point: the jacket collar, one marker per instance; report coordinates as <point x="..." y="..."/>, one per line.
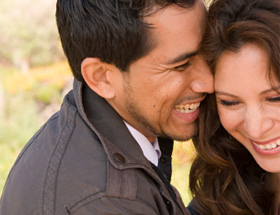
<point x="122" y="149"/>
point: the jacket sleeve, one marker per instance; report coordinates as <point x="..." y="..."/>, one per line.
<point x="114" y="206"/>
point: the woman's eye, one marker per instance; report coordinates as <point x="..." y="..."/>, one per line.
<point x="228" y="103"/>
<point x="274" y="99"/>
<point x="182" y="67"/>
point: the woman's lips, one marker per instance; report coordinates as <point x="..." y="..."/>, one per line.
<point x="271" y="147"/>
<point x="267" y="145"/>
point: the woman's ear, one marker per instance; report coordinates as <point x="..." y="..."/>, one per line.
<point x="96" y="74"/>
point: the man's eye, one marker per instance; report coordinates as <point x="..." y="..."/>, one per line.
<point x="182" y="67"/>
<point x="229" y="103"/>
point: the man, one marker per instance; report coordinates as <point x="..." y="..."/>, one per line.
<point x="138" y="84"/>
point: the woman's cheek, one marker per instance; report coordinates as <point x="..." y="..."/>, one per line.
<point x="230" y="119"/>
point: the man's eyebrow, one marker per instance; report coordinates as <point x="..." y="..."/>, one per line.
<point x="182" y="57"/>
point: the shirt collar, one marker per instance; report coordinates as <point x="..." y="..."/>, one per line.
<point x="150" y="150"/>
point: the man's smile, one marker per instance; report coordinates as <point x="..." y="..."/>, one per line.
<point x="187" y="108"/>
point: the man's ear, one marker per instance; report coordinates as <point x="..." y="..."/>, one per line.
<point x="96" y="74"/>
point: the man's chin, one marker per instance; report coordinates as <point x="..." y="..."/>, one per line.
<point x="184" y="134"/>
<point x="181" y="137"/>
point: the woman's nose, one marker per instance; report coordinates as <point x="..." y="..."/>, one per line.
<point x="257" y="124"/>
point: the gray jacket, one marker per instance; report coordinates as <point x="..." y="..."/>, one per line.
<point x="84" y="161"/>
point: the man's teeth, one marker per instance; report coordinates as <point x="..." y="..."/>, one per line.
<point x="268" y="146"/>
<point x="187" y="108"/>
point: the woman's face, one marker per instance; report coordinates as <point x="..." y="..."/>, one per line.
<point x="248" y="107"/>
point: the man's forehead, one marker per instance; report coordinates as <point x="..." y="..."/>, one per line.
<point x="176" y="33"/>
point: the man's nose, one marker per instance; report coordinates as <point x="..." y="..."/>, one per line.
<point x="203" y="83"/>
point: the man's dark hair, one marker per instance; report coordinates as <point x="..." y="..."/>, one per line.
<point x="111" y="30"/>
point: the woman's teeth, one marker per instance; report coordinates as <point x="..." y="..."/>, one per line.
<point x="268" y="146"/>
<point x="187" y="108"/>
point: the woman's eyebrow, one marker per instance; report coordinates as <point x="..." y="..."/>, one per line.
<point x="270" y="90"/>
<point x="224" y="93"/>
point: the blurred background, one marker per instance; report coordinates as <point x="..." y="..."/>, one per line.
<point x="35" y="76"/>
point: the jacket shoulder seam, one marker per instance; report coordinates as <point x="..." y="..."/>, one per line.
<point x="55" y="161"/>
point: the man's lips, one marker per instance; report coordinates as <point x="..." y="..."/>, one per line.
<point x="187" y="108"/>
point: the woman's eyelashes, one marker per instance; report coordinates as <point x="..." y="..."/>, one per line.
<point x="274" y="99"/>
<point x="227" y="103"/>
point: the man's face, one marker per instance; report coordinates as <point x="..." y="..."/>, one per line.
<point x="161" y="93"/>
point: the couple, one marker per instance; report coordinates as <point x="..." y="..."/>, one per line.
<point x="140" y="77"/>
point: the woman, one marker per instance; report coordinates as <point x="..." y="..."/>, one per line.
<point x="237" y="169"/>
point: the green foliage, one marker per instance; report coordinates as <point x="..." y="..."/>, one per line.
<point x="47" y="94"/>
<point x="43" y="84"/>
